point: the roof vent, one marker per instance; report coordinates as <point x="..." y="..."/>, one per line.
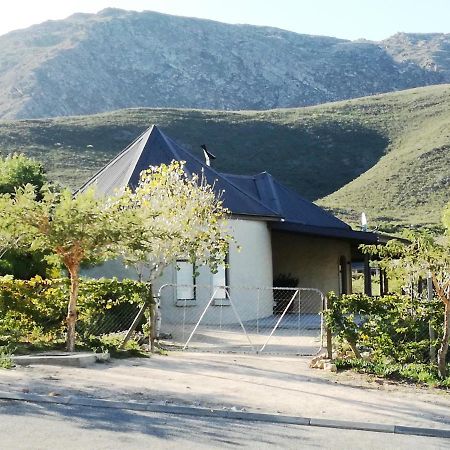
<point x="208" y="155"/>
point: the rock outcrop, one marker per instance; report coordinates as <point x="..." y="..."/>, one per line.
<point x="115" y="59"/>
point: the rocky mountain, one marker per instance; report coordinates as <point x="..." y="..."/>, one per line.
<point x="115" y="59"/>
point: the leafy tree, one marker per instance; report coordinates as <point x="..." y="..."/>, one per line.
<point x="175" y="216"/>
<point x="169" y="215"/>
<point x="17" y="170"/>
<point x="422" y="256"/>
<point x="77" y="229"/>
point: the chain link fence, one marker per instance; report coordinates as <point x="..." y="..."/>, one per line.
<point x="114" y="320"/>
<point x="241" y="319"/>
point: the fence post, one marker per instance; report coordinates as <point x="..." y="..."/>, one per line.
<point x="328" y="306"/>
<point x="152" y="336"/>
<point x="138" y="318"/>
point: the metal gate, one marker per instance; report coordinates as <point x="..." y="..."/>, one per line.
<point x="241" y="319"/>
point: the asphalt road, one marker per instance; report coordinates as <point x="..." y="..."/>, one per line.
<point x="52" y="426"/>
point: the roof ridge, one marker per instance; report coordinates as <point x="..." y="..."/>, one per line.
<point x="270" y="179"/>
<point x="221" y="175"/>
<point x="115" y="159"/>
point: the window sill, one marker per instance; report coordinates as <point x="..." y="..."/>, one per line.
<point x="186" y="302"/>
<point x="221" y="302"/>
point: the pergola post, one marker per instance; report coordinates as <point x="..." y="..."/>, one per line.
<point x="367" y="276"/>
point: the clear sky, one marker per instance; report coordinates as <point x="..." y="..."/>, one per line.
<point x="350" y="19"/>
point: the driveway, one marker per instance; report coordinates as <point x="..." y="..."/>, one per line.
<point x="271" y="384"/>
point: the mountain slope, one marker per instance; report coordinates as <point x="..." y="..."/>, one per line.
<point x="387" y="155"/>
<point x="90" y="63"/>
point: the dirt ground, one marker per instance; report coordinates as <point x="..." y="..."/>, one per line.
<point x="272" y="384"/>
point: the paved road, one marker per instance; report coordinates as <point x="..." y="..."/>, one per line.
<point x="267" y="384"/>
<point x="51" y="426"/>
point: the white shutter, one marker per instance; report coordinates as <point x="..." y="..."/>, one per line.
<point x="220" y="279"/>
<point x="185" y="281"/>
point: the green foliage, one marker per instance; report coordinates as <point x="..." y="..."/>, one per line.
<point x="415" y="372"/>
<point x="34" y="311"/>
<point x="17" y="170"/>
<point x="174" y="215"/>
<point x="77" y="229"/>
<point x="169" y="215"/>
<point x="6" y="361"/>
<point x="112" y="344"/>
<point x="393" y="328"/>
<point x="25" y="265"/>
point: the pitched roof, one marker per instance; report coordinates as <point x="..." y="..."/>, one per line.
<point x="153" y="148"/>
<point x="299" y="215"/>
<point x="259" y="195"/>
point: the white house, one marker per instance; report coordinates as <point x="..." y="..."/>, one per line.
<point x="280" y="233"/>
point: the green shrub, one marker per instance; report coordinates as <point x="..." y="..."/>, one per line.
<point x="391" y="332"/>
<point x="6" y="361"/>
<point x="393" y="326"/>
<point x="417" y="373"/>
<point x="112" y="344"/>
<point x="34" y="310"/>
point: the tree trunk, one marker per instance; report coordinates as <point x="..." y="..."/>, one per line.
<point x="442" y="352"/>
<point x="72" y="309"/>
<point x="442" y="292"/>
<point x="152" y="321"/>
<point x="354" y="348"/>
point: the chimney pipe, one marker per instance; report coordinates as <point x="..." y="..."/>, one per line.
<point x="207" y="154"/>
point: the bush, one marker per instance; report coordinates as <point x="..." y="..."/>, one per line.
<point x="34" y="310"/>
<point x="6" y="361"/>
<point x="390" y="332"/>
<point x="418" y="373"/>
<point x="395" y="327"/>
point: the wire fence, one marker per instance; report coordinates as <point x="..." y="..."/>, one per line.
<point x="241" y="319"/>
<point x="114" y="320"/>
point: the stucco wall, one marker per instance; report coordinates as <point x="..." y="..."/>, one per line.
<point x="250" y="268"/>
<point x="313" y="260"/>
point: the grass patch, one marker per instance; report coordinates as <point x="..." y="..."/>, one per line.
<point x="425" y="374"/>
<point x="6" y="361"/>
<point x="112" y="344"/>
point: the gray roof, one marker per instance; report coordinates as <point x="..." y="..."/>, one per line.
<point x="255" y="195"/>
<point x="299" y="215"/>
<point x="153" y="148"/>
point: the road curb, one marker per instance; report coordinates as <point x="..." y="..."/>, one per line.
<point x="227" y="414"/>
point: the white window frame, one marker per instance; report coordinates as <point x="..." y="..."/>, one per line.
<point x="221" y="278"/>
<point x="185" y="282"/>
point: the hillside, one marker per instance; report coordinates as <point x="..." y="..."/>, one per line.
<point x="387" y="155"/>
<point x="90" y="63"/>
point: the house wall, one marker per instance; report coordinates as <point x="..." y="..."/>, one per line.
<point x="250" y="268"/>
<point x="250" y="261"/>
<point x="313" y="260"/>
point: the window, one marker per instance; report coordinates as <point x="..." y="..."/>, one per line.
<point x="185" y="281"/>
<point x="220" y="280"/>
<point x="343" y="275"/>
